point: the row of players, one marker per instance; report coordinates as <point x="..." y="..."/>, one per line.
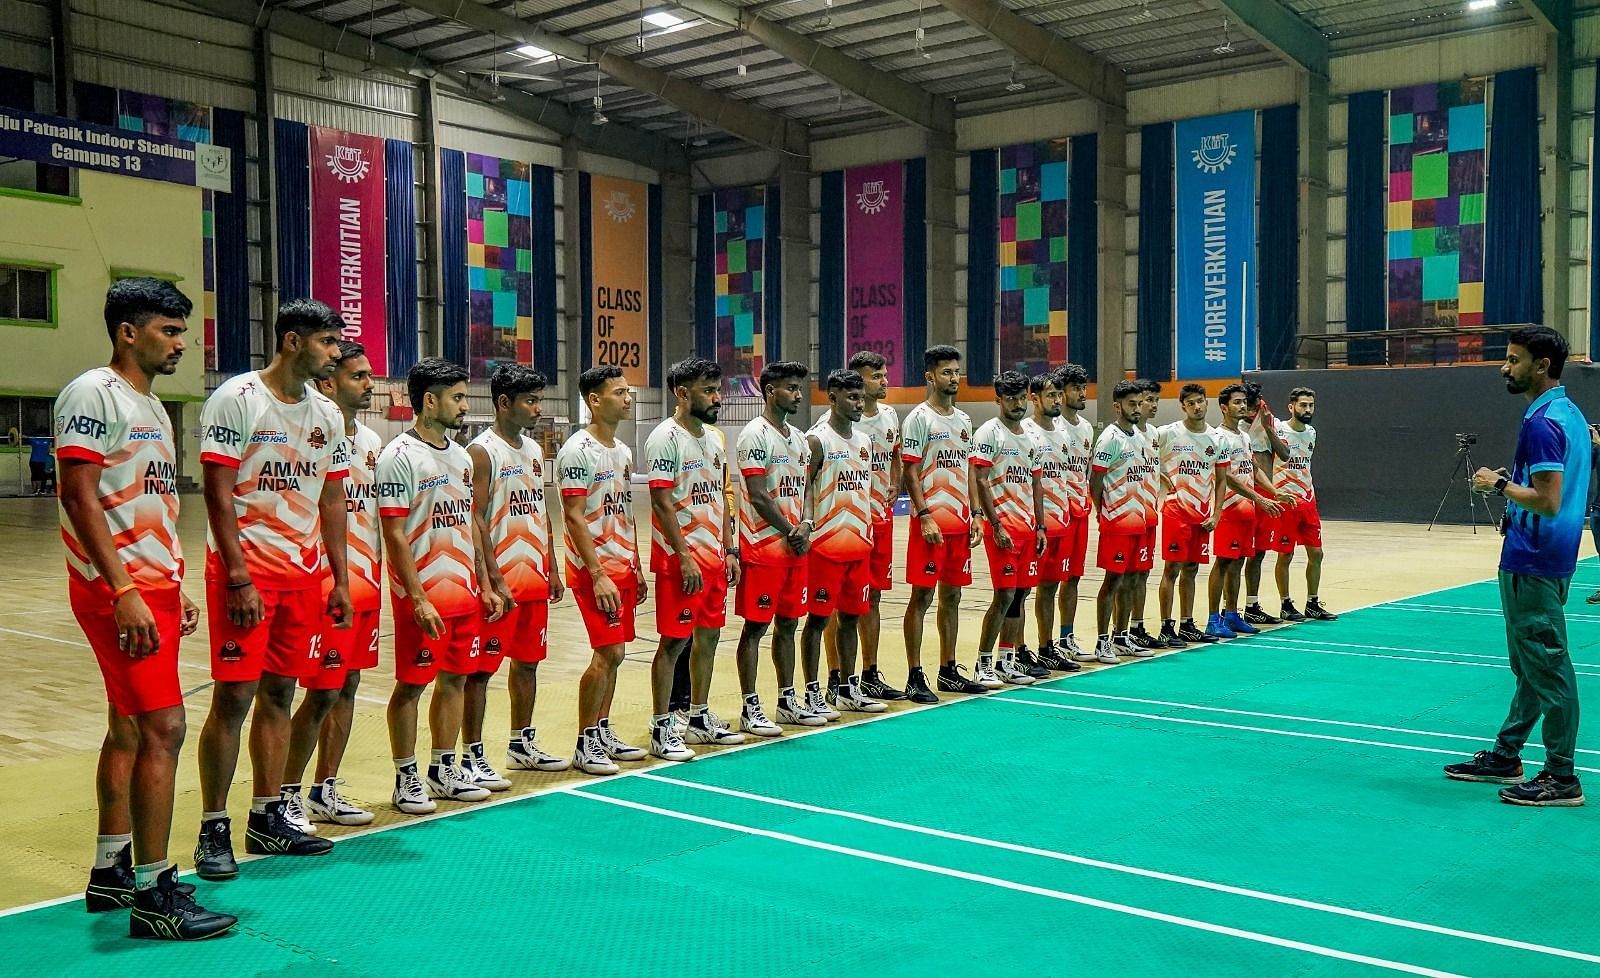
<point x="304" y="504"/>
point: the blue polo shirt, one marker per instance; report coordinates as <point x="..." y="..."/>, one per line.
<point x="1554" y="438"/>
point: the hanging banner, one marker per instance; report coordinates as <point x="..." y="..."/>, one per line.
<point x="1033" y="256"/>
<point x="499" y="264"/>
<point x="69" y="142"/>
<point x="1215" y="160"/>
<point x="619" y="255"/>
<point x="874" y="270"/>
<point x="741" y="227"/>
<point x="347" y="242"/>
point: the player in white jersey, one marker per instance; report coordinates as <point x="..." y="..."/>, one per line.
<point x="274" y="455"/>
<point x="1118" y="493"/>
<point x="691" y="555"/>
<point x="119" y="523"/>
<point x="1192" y="474"/>
<point x="345" y="652"/>
<point x="1074" y="383"/>
<point x="881" y="424"/>
<point x="1006" y="472"/>
<point x="774" y="533"/>
<point x="517" y="559"/>
<point x="1262" y="432"/>
<point x="1246" y="497"/>
<point x="1299" y="525"/>
<point x="1151" y="484"/>
<point x="1055" y="441"/>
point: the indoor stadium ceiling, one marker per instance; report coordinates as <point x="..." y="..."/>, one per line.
<point x="922" y="43"/>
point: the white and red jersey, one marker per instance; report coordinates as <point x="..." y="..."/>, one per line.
<point x="1080" y="457"/>
<point x="1055" y="449"/>
<point x="1233" y="448"/>
<point x="843" y="497"/>
<point x="782" y="457"/>
<point x="883" y="431"/>
<point x="364" y="537"/>
<point x="101" y="419"/>
<point x="1009" y="460"/>
<point x="1189" y="461"/>
<point x="516" y="518"/>
<point x="431" y="489"/>
<point x="1293" y="474"/>
<point x="938" y="448"/>
<point x="603" y="475"/>
<point x="1150" y="473"/>
<point x="1120" y="456"/>
<point x="282" y="454"/>
<point x="695" y="468"/>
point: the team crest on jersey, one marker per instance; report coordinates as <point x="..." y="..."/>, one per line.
<point x="466" y="476"/>
<point x="686" y="616"/>
<point x="765" y="601"/>
<point x="231" y="651"/>
<point x="317" y="440"/>
<point x="865" y="456"/>
<point x="424" y="657"/>
<point x="931" y="568"/>
<point x="332" y="660"/>
<point x="1211" y="450"/>
<point x="372" y="460"/>
<point x="966" y="435"/>
<point x="627" y="473"/>
<point x="538" y="470"/>
<point x="613" y="618"/>
<point x="492" y="646"/>
<point x="822" y="594"/>
<point x="1008" y="570"/>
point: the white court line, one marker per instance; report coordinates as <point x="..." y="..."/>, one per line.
<point x="1277" y="636"/>
<point x="1262" y="643"/>
<point x="1453" y="609"/>
<point x="1276" y="716"/>
<point x="1132" y="870"/>
<point x="1014" y="700"/>
<point x="1006" y="884"/>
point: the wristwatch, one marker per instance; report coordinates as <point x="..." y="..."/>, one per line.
<point x="924" y="513"/>
<point x="1500" y="485"/>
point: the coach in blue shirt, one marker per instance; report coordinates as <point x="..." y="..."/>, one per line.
<point x="1546" y="495"/>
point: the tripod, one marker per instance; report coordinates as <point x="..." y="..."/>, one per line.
<point x="1463" y="470"/>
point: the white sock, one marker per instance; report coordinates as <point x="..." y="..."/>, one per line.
<point x="145" y="876"/>
<point x="259" y="805"/>
<point x="1252" y="599"/>
<point x="1311" y="599"/>
<point x="402" y="763"/>
<point x="439" y="757"/>
<point x="212" y="817"/>
<point x="697" y="709"/>
<point x="660" y="719"/>
<point x="108" y="847"/>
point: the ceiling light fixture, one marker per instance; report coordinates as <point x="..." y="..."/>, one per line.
<point x="662" y="19"/>
<point x="1226" y="47"/>
<point x="1482" y="4"/>
<point x="921" y="34"/>
<point x="326" y="75"/>
<point x="1012" y="85"/>
<point x="599" y="118"/>
<point x="534" y="52"/>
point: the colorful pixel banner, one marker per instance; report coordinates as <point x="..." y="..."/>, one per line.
<point x="874" y="269"/>
<point x="1214" y="212"/>
<point x="499" y="264"/>
<point x="1033" y="256"/>
<point x="740" y="215"/>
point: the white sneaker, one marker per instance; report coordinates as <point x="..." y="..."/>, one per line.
<point x="294" y="812"/>
<point x="1008" y="672"/>
<point x="708" y="728"/>
<point x="1128" y="645"/>
<point x="679" y="719"/>
<point x="616" y="748"/>
<point x="481" y="773"/>
<point x="793" y="713"/>
<point x="445" y="780"/>
<point x="409" y="796"/>
<point x="667" y="745"/>
<point x="325" y="804"/>
<point x="524" y="755"/>
<point x="753" y="720"/>
<point x="816" y="703"/>
<point x="851" y="699"/>
<point x="1077" y="652"/>
<point x="984" y="675"/>
<point x="590" y="757"/>
<point x="1105" y="650"/>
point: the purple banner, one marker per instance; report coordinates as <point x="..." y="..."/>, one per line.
<point x="68" y="142"/>
<point x="874" y="263"/>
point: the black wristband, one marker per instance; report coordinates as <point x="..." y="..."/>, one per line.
<point x="924" y="512"/>
<point x="241" y="585"/>
<point x="1500" y="485"/>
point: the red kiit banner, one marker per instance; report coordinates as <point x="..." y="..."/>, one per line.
<point x="874" y="269"/>
<point x="347" y="243"/>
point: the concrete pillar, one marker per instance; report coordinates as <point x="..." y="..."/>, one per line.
<point x="799" y="328"/>
<point x="941" y="223"/>
<point x="1313" y="311"/>
<point x="677" y="271"/>
<point x="1112" y="250"/>
<point x="574" y="330"/>
<point x="430" y="318"/>
<point x="1555" y="188"/>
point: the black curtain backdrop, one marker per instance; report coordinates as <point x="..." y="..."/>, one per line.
<point x="1278" y="239"/>
<point x="1513" y="283"/>
<point x="1366" y="254"/>
<point x="1154" y="346"/>
<point x="1083" y="253"/>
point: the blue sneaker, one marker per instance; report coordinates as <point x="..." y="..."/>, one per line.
<point x="1237" y="624"/>
<point x="1216" y="628"/>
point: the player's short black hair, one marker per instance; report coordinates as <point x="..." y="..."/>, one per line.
<point x="691" y="369"/>
<point x="782" y="370"/>
<point x="1150" y="386"/>
<point x="1252" y="393"/>
<point x="432" y="374"/>
<point x="512" y="380"/>
<point x="936" y="355"/>
<point x="1542" y="343"/>
<point x="1010" y="383"/>
<point x="1126" y="388"/>
<point x="306" y="316"/>
<point x="1071" y="373"/>
<point x="1050" y="378"/>
<point x="1226" y="394"/>
<point x="868" y="360"/>
<point x="594" y="379"/>
<point x="138" y="300"/>
<point x="1190" y="390"/>
<point x="350" y="349"/>
<point x="845" y="380"/>
<point x="1296" y="393"/>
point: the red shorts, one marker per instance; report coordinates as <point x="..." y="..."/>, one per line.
<point x="1055" y="564"/>
<point x="1119" y="552"/>
<point x="1014" y="569"/>
<point x="1266" y="532"/>
<point x="881" y="563"/>
<point x="1235" y="537"/>
<point x="1077" y="545"/>
<point x="519" y="635"/>
<point x="418" y="658"/>
<point x="838" y="585"/>
<point x="766" y="590"/>
<point x="133" y="686"/>
<point x="1298" y="527"/>
<point x="344" y="650"/>
<point x="679" y="614"/>
<point x="286" y="641"/>
<point x="1182" y="541"/>
<point x="947" y="562"/>
<point x="605" y="628"/>
<point x="1147" y="549"/>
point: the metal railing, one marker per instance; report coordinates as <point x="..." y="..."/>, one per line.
<point x="1413" y="347"/>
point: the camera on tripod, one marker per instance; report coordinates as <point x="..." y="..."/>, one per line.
<point x="1466" y="439"/>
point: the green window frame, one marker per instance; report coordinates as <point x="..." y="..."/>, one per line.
<point x="10" y="305"/>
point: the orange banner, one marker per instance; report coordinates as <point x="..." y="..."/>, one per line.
<point x="618" y="235"/>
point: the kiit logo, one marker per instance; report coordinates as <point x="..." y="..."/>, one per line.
<point x="1215" y="153"/>
<point x="349" y="163"/>
<point x="317" y="438"/>
<point x="619" y="206"/>
<point x="873" y="197"/>
<point x="231" y="651"/>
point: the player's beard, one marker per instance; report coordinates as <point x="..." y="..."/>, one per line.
<point x="706" y="415"/>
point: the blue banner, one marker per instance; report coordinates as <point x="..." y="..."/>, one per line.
<point x="69" y="142"/>
<point x="1215" y="159"/>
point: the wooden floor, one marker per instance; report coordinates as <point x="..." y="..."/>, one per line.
<point x="53" y="720"/>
